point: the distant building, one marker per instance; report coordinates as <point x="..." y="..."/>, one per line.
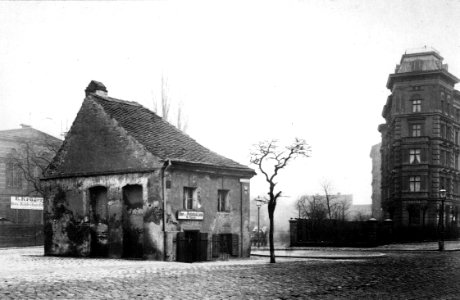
<point x="420" y="142"/>
<point x="126" y="183"/>
<point x="20" y="202"/>
<point x="376" y="182"/>
<point x="359" y="212"/>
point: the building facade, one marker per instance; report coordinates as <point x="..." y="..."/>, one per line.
<point x="128" y="184"/>
<point x="420" y="142"/>
<point x="16" y="187"/>
<point x="376" y="182"/>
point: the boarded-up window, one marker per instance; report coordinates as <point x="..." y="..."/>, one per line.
<point x="13" y="175"/>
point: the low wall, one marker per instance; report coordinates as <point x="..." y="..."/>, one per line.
<point x="14" y="235"/>
<point x="305" y="232"/>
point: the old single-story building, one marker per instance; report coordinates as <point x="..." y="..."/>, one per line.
<point x="126" y="183"/>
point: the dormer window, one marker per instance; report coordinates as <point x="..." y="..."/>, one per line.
<point x="416" y="105"/>
<point x="417" y="65"/>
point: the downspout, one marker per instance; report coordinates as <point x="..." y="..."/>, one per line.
<point x="166" y="165"/>
<point x="241" y="218"/>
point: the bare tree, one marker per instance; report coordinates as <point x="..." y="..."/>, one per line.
<point x="270" y="159"/>
<point x="182" y="122"/>
<point x="312" y="207"/>
<point x="165" y="106"/>
<point x="32" y="159"/>
<point x="165" y="103"/>
<point x="327" y="188"/>
<point x="341" y="207"/>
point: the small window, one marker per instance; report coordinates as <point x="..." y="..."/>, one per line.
<point x="416" y="130"/>
<point x="443" y="130"/>
<point x="222" y="201"/>
<point x="443" y="157"/>
<point x="13" y="175"/>
<point x="414" y="156"/>
<point x="416" y="105"/>
<point x="189" y="197"/>
<point x="414" y="183"/>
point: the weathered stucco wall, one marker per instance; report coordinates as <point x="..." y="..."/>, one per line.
<point x="70" y="218"/>
<point x="233" y="221"/>
<point x="122" y="215"/>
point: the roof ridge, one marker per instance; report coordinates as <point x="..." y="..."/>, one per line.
<point x="107" y="98"/>
<point x="160" y="137"/>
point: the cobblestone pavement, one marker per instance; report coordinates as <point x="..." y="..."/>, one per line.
<point x="26" y="274"/>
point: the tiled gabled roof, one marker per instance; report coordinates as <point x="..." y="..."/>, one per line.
<point x="159" y="137"/>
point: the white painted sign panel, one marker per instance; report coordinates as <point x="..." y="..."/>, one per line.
<point x="190" y="215"/>
<point x="20" y="202"/>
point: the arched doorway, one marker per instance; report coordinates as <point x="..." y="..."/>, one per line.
<point x="133" y="221"/>
<point x="99" y="221"/>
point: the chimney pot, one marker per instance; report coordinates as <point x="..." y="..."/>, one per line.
<point x="97" y="88"/>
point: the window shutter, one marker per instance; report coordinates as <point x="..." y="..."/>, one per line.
<point x="180" y="244"/>
<point x="215" y="245"/>
<point x="235" y="245"/>
<point x="203" y="246"/>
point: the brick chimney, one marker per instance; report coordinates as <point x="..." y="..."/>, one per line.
<point x="96" y="87"/>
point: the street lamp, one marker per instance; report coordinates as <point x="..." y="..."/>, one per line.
<point x="442" y="195"/>
<point x="259" y="203"/>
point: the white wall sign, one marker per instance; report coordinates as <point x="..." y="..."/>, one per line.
<point x="190" y="215"/>
<point x="19" y="202"/>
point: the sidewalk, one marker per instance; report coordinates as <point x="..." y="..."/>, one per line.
<point x="352" y="253"/>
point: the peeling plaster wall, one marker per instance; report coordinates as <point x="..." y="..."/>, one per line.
<point x="68" y="220"/>
<point x="67" y="214"/>
<point x="214" y="222"/>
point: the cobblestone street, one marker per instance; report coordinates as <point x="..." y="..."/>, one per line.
<point x="26" y="274"/>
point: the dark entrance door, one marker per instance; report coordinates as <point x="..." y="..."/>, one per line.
<point x="192" y="246"/>
<point x="99" y="221"/>
<point x="133" y="221"/>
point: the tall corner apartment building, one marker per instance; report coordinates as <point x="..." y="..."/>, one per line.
<point x="420" y="142"/>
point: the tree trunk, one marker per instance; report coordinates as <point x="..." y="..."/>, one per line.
<point x="271" y="210"/>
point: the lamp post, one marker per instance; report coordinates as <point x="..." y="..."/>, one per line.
<point x="442" y="195"/>
<point x="259" y="203"/>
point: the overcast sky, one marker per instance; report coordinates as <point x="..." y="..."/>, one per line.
<point x="243" y="71"/>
